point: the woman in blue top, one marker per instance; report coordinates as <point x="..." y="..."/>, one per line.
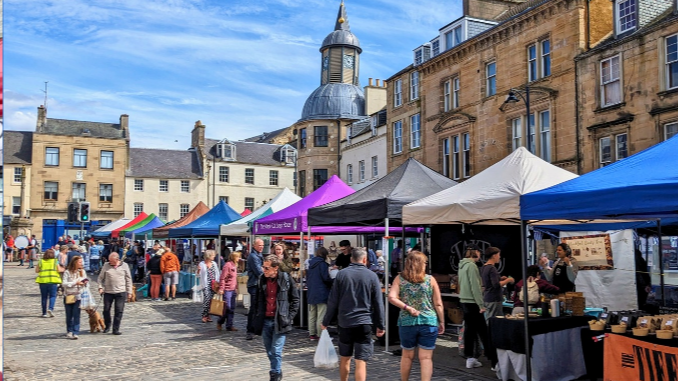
<point x="422" y="318"/>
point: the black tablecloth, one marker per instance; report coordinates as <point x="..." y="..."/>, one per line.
<point x="509" y="334"/>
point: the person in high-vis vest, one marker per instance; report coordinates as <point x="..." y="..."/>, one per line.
<point x="48" y="279"/>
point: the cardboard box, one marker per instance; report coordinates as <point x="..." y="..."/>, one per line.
<point x="455" y="315"/>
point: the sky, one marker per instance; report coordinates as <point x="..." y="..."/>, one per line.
<point x="241" y="67"/>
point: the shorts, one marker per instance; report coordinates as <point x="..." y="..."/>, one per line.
<point x="422" y="336"/>
<point x="358" y="338"/>
<point x="171" y="278"/>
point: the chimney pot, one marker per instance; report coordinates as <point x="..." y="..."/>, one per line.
<point x="370" y="81"/>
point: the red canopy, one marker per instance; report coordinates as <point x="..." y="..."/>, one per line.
<point x="246" y="212"/>
<point x="116" y="233"/>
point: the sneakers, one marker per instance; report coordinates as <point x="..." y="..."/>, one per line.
<point x="50" y="313"/>
<point x="45" y="315"/>
<point x="69" y="335"/>
<point x="495" y="368"/>
<point x="472" y="363"/>
<point x="314" y="337"/>
<point x="75" y="337"/>
<point x="249" y="336"/>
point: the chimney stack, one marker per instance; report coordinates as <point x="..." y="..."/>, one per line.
<point x="42" y="119"/>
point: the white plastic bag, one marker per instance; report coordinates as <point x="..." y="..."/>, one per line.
<point x="197" y="294"/>
<point x="325" y="354"/>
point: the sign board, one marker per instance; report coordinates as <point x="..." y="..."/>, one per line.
<point x="628" y="359"/>
<point x="592" y="252"/>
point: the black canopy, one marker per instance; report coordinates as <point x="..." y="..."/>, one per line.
<point x="384" y="199"/>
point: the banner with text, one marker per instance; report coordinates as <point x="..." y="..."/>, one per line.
<point x="628" y="359"/>
<point x="592" y="252"/>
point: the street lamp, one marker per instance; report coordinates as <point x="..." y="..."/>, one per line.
<point x="512" y="97"/>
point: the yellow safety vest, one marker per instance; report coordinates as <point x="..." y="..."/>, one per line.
<point x="48" y="272"/>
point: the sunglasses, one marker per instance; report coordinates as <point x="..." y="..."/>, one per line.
<point x="266" y="267"/>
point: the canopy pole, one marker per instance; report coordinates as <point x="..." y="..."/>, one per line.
<point x="661" y="262"/>
<point x="523" y="245"/>
<point x="301" y="291"/>
<point x="386" y="271"/>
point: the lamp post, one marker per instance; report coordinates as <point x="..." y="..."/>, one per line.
<point x="511" y="98"/>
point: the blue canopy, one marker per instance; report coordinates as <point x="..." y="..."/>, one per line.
<point x="642" y="186"/>
<point x="208" y="224"/>
<point x="154" y="223"/>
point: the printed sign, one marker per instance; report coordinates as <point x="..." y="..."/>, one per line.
<point x="628" y="359"/>
<point x="592" y="252"/>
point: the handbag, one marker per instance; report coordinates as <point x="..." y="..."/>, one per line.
<point x="70" y="299"/>
<point x="217" y="305"/>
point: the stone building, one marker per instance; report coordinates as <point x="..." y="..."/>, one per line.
<point x="363" y="158"/>
<point x="16" y="185"/>
<point x="628" y="84"/>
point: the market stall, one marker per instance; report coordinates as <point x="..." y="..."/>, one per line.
<point x="241" y="227"/>
<point x="149" y="222"/>
<point x="115" y="233"/>
<point x="194" y="214"/>
<point x="105" y="231"/>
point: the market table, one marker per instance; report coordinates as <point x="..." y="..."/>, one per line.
<point x="546" y="334"/>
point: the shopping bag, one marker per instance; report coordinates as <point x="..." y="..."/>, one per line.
<point x="197" y="294"/>
<point x="86" y="300"/>
<point x="325" y="354"/>
<point x="217" y="305"/>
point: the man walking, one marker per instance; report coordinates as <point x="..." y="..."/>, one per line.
<point x="32" y="251"/>
<point x="275" y="307"/>
<point x="169" y="266"/>
<point x="357" y="301"/>
<point x="319" y="284"/>
<point x="254" y="262"/>
<point x="115" y="283"/>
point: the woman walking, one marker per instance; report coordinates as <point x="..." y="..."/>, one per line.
<point x="48" y="279"/>
<point x="155" y="272"/>
<point x="421" y="317"/>
<point x="228" y="288"/>
<point x="209" y="273"/>
<point x="75" y="279"/>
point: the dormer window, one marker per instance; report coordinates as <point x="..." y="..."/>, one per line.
<point x="226" y="150"/>
<point x="435" y="47"/>
<point x="288" y="154"/>
<point x="626" y="15"/>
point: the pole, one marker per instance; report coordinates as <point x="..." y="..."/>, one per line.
<point x="523" y="245"/>
<point x="386" y="271"/>
<point x="530" y="126"/>
<point x="301" y="291"/>
<point x="661" y="262"/>
<point x="82" y="227"/>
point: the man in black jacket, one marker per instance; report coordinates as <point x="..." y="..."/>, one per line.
<point x="276" y="306"/>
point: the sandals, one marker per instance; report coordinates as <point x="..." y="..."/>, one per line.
<point x="206" y="319"/>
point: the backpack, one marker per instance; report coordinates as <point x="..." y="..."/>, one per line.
<point x="533" y="295"/>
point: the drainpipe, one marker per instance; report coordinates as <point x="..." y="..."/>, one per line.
<point x="588" y="24"/>
<point x="576" y="118"/>
<point x="339" y="148"/>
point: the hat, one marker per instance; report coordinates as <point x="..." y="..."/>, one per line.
<point x="345" y="242"/>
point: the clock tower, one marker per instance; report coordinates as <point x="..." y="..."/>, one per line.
<point x="340" y="53"/>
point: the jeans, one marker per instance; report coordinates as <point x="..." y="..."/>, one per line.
<point x="273" y="342"/>
<point x="229" y="308"/>
<point x="119" y="299"/>
<point x="72" y="317"/>
<point x="316" y="314"/>
<point x="250" y="314"/>
<point x="48" y="291"/>
<point x="132" y="270"/>
<point x="474" y="326"/>
<point x="94" y="264"/>
<point x="30" y="264"/>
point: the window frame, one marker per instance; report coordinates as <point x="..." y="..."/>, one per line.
<point x="414" y="85"/>
<point x="447" y="95"/>
<point x="138" y="207"/>
<point x="456" y="157"/>
<point x="397" y="137"/>
<point x="163" y="184"/>
<point x="185" y="186"/>
<point x="20" y="173"/>
<point x="316" y="176"/>
<point x="84" y="190"/>
<point x="16" y="207"/>
<point x="532" y="63"/>
<point x="666" y="125"/>
<point x="602" y="163"/>
<point x="184" y="209"/>
<point x="456" y="89"/>
<point x="375" y="166"/>
<point x="249" y="203"/>
<point x="273" y="180"/>
<point x="302" y="138"/>
<point x="105" y="192"/>
<point x="103" y="159"/>
<point x="415" y="131"/>
<point x="349" y="173"/>
<point x="446" y="157"/>
<point x="224" y="173"/>
<point x="617" y="150"/>
<point x="490" y="79"/>
<point x="47" y="193"/>
<point x="669" y="63"/>
<point x="163" y="215"/>
<point x="79" y="156"/>
<point x="398" y="92"/>
<point x="545" y="148"/>
<point x="320" y="139"/>
<point x="249" y="176"/>
<point x="545" y="58"/>
<point x="52" y="155"/>
<point x="466" y="156"/>
<point x="516" y="133"/>
<point x="361" y="171"/>
<point x="618" y="17"/>
<point x="302" y="183"/>
<point x="604" y="84"/>
<point x="138" y="182"/>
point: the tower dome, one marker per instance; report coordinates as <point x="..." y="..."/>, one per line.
<point x="335" y="101"/>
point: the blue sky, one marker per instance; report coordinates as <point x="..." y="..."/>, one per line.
<point x="241" y="67"/>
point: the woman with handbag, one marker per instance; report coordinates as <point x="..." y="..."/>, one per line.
<point x="209" y="273"/>
<point x="228" y="287"/>
<point x="74" y="281"/>
<point x="48" y="279"/>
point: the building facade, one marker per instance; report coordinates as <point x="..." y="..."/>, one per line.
<point x="363" y="158"/>
<point x="17" y="173"/>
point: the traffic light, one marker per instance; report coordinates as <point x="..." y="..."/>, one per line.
<point x="83" y="216"/>
<point x="73" y="210"/>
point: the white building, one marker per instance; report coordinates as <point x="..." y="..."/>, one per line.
<point x="363" y="153"/>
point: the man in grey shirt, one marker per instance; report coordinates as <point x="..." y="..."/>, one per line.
<point x="115" y="283"/>
<point x="357" y="301"/>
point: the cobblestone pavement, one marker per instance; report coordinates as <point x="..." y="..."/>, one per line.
<point x="167" y="341"/>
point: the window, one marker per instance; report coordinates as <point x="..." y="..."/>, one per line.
<point x="138" y="208"/>
<point x="398" y="93"/>
<point x="185" y="186"/>
<point x="621" y="147"/>
<point x="319" y="178"/>
<point x="446" y="96"/>
<point x="672" y="62"/>
<point x="223" y="174"/>
<point x="375" y="167"/>
<point x="349" y="173"/>
<point x="16" y="205"/>
<point x="491" y="75"/>
<point x="183" y="210"/>
<point x="78" y="192"/>
<point x="446" y="157"/>
<point x="531" y="135"/>
<point x="226" y="150"/>
<point x="302" y="183"/>
<point x="449" y="40"/>
<point x="223" y="198"/>
<point x="626" y="15"/>
<point x="456" y="159"/>
<point x="139" y="185"/>
<point x="532" y="63"/>
<point x="361" y="170"/>
<point x="457" y="35"/>
<point x="320" y="136"/>
<point x="51" y="156"/>
<point x="517" y="134"/>
<point x="302" y="138"/>
<point x="18" y="172"/>
<point x="415" y="125"/>
<point x="606" y="148"/>
<point x="467" y="154"/>
<point x="80" y="158"/>
<point x="414" y="85"/>
<point x="670" y="130"/>
<point x="162" y="211"/>
<point x="249" y="203"/>
<point x="51" y="190"/>
<point x="288" y="154"/>
<point x="545" y="135"/>
<point x="455" y="95"/>
<point x="273" y="178"/>
<point x="249" y="175"/>
<point x="105" y="192"/>
<point x="610" y="84"/>
<point x="163" y="186"/>
<point x="106" y="159"/>
<point x="545" y="58"/>
<point x="605" y="151"/>
<point x="435" y="47"/>
<point x="398" y="137"/>
<point x="418" y="56"/>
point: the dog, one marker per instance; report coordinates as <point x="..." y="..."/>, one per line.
<point x="133" y="297"/>
<point x="96" y="322"/>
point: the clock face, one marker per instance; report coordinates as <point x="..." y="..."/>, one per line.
<point x="326" y="62"/>
<point x="349" y="61"/>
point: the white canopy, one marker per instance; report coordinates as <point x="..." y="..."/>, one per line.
<point x="113" y="225"/>
<point x="491" y="197"/>
<point x="241" y="227"/>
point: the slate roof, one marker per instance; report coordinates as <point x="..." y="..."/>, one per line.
<point x="163" y="163"/>
<point x="18" y="147"/>
<point x="248" y="152"/>
<point x="76" y="128"/>
<point x="266" y="137"/>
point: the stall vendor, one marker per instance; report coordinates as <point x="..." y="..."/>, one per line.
<point x="564" y="270"/>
